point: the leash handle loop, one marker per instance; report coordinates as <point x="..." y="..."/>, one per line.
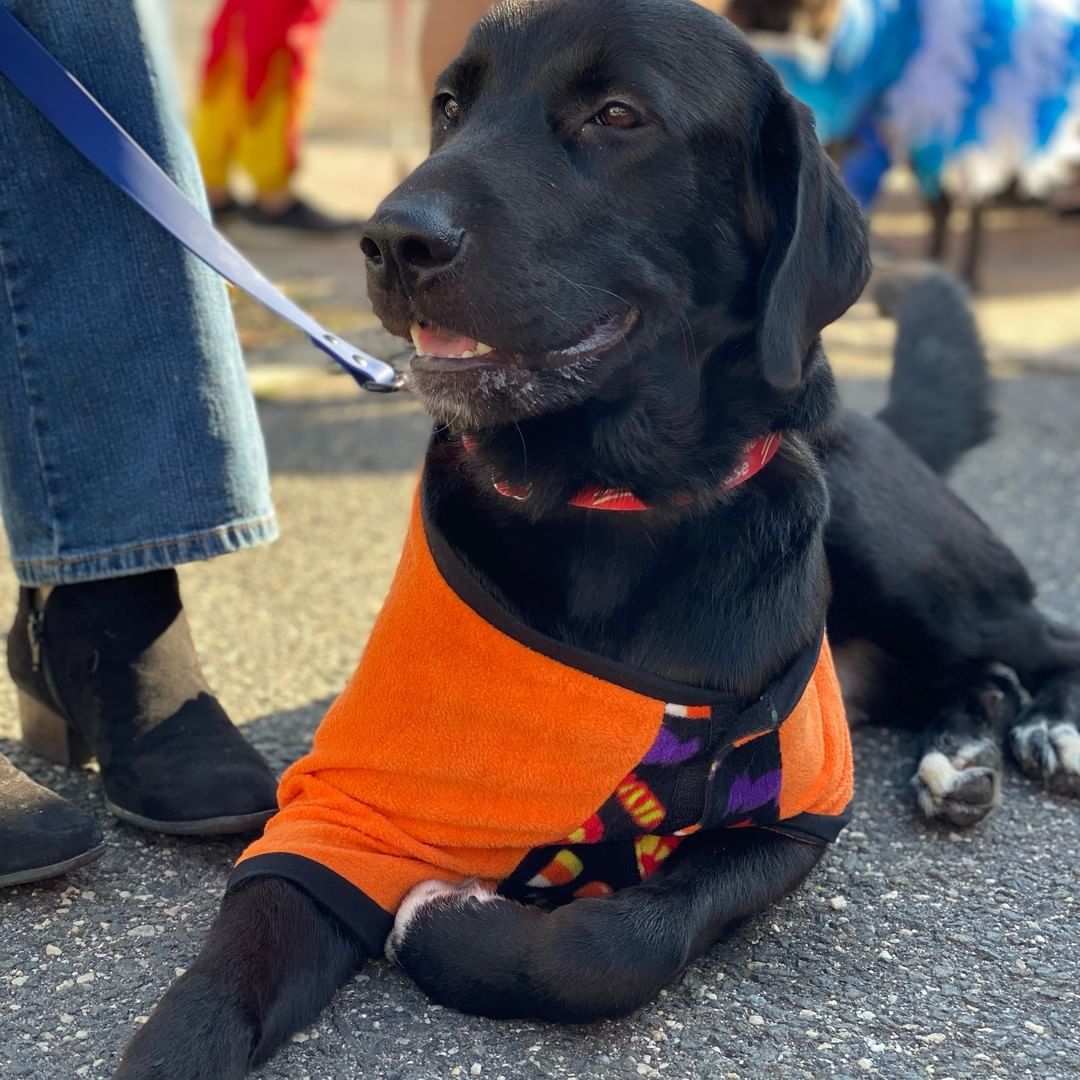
<point x="82" y="120"/>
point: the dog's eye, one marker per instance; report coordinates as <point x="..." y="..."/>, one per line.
<point x="617" y="114"/>
<point x="449" y="106"/>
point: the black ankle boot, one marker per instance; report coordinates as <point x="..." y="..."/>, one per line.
<point x="107" y="670"/>
<point x="41" y="834"/>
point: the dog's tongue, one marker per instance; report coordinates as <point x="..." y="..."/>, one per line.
<point x="431" y="341"/>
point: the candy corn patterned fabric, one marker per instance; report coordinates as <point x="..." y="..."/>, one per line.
<point x="467" y="745"/>
<point x="254" y="89"/>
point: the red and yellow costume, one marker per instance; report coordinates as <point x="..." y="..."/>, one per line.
<point x="254" y="89"/>
<point x="468" y="745"/>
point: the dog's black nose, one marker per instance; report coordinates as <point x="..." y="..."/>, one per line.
<point x="418" y="241"/>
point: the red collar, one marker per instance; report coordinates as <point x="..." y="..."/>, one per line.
<point x="755" y="457"/>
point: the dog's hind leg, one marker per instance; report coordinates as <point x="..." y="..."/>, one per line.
<point x="958" y="779"/>
<point x="1045" y="736"/>
<point x="1045" y="739"/>
<point x="472" y="950"/>
<point x="270" y="964"/>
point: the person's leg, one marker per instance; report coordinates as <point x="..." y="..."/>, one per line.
<point x="128" y="435"/>
<point x="252" y="102"/>
<point x="220" y="108"/>
<point x="129" y="444"/>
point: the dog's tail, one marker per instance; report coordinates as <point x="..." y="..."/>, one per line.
<point x="940" y="395"/>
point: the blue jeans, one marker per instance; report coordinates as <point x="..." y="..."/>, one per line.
<point x="128" y="436"/>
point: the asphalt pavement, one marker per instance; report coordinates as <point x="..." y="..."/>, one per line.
<point x="911" y="951"/>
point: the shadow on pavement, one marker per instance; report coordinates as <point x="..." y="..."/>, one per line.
<point x="351" y="434"/>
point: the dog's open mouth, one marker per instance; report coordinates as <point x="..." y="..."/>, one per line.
<point x="442" y="350"/>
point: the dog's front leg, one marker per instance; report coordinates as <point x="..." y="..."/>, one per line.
<point x="272" y="961"/>
<point x="594" y="958"/>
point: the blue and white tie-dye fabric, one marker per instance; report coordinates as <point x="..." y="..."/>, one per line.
<point x="972" y="93"/>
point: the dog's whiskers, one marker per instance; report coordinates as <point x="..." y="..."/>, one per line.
<point x="692" y="351"/>
<point x="524" y="453"/>
<point x="590" y="288"/>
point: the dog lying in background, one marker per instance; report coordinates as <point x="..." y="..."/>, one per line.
<point x="979" y="96"/>
<point x="597" y="725"/>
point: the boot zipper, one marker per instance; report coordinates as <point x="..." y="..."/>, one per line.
<point x="39" y="661"/>
<point x="35" y="630"/>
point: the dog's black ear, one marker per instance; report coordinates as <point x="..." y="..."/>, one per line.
<point x="818" y="260"/>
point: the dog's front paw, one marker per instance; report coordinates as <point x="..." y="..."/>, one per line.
<point x="960" y="788"/>
<point x="1048" y="750"/>
<point x="426" y="899"/>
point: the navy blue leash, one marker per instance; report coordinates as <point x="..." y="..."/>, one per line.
<point x="80" y="118"/>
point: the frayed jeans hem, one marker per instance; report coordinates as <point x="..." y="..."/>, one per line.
<point x="153" y="555"/>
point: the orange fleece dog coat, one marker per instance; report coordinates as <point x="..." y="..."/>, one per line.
<point x="468" y="745"/>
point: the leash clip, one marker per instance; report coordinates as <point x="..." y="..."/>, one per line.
<point x="375" y="376"/>
<point x="392" y="387"/>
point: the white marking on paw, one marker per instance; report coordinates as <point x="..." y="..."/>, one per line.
<point x="938" y="773"/>
<point x="1066" y="738"/>
<point x="440" y="893"/>
<point x="940" y="781"/>
<point x="1049" y="751"/>
<point x="977" y="752"/>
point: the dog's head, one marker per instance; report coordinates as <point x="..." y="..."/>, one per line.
<point x="620" y="195"/>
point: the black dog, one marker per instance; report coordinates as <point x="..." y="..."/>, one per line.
<point x="630" y="212"/>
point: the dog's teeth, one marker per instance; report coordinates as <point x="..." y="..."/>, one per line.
<point x="414" y="331"/>
<point x="445" y="343"/>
